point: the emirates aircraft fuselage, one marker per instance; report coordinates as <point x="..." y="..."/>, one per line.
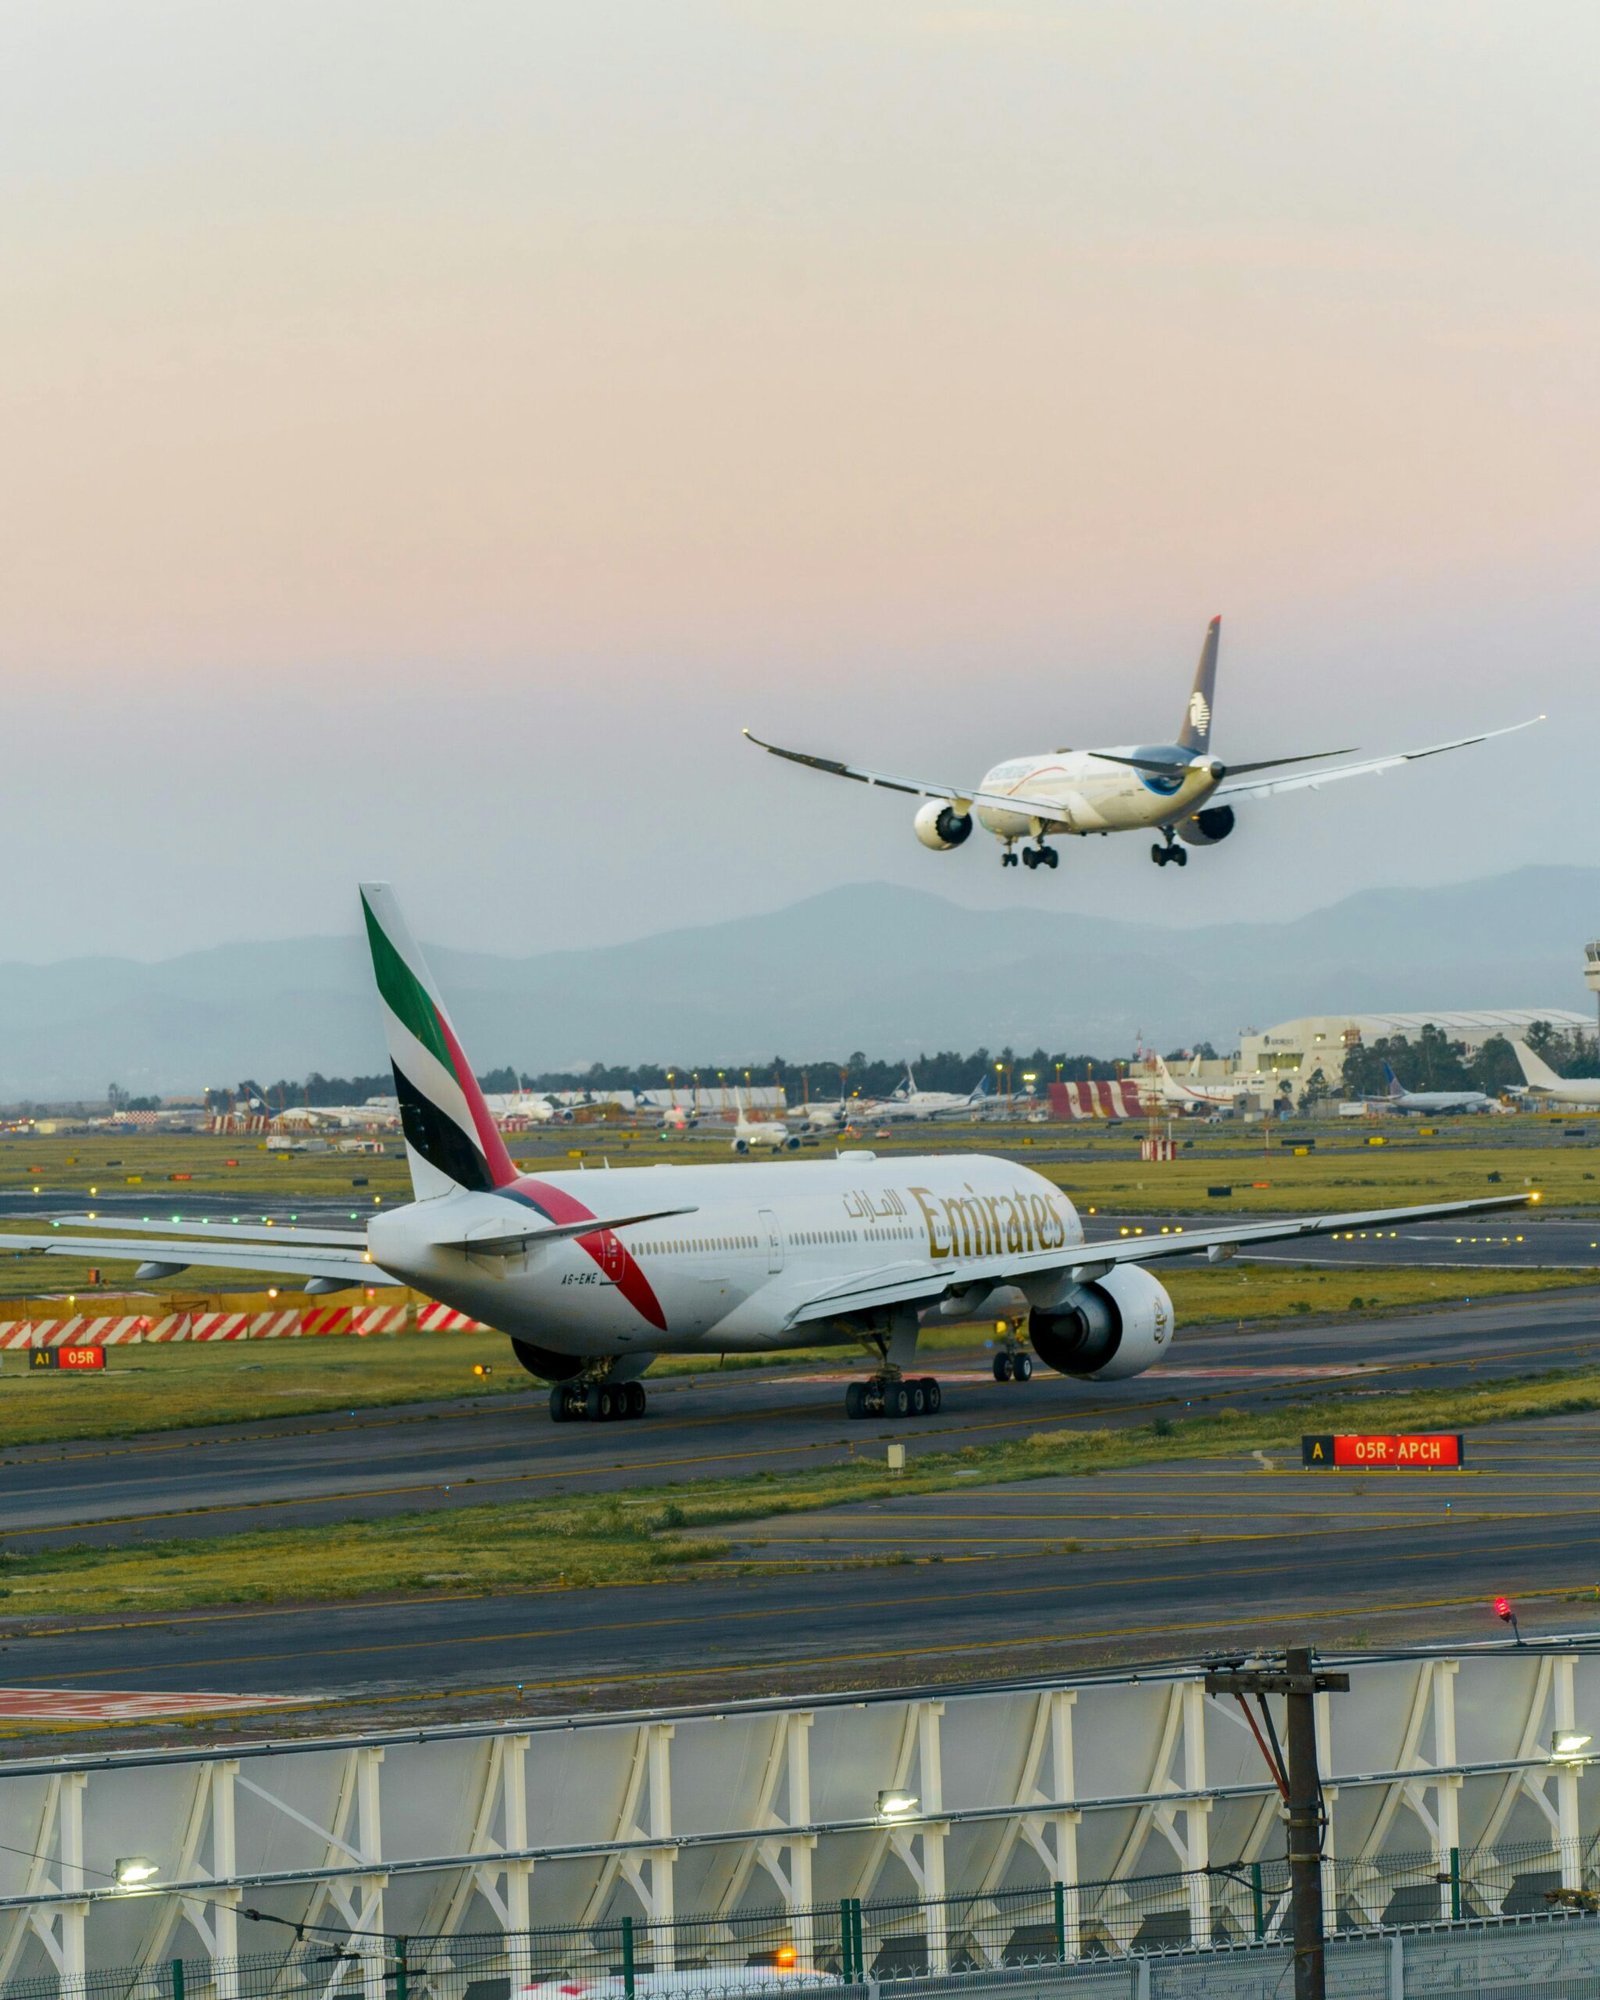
<point x="760" y="1243"/>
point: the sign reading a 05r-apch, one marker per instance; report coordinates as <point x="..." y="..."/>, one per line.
<point x="1416" y="1451"/>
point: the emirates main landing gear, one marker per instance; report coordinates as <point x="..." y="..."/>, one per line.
<point x="893" y="1396"/>
<point x="595" y="1402"/>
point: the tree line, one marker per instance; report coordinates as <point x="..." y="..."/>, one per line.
<point x="1432" y="1062"/>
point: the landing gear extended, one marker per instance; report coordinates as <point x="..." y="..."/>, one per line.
<point x="596" y="1402"/>
<point x="893" y="1396"/>
<point x="1041" y="855"/>
<point x="1171" y="852"/>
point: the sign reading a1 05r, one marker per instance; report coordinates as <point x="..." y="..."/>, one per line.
<point x="74" y="1360"/>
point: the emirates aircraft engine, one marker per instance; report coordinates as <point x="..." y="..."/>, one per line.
<point x="941" y="827"/>
<point x="1103" y="1332"/>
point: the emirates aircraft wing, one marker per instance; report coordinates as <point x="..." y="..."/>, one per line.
<point x="923" y="1283"/>
<point x="350" y="1266"/>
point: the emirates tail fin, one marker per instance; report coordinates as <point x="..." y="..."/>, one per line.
<point x="451" y="1141"/>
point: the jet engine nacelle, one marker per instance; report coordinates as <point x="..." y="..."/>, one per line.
<point x="1116" y="1327"/>
<point x="940" y="826"/>
<point x="1207" y="827"/>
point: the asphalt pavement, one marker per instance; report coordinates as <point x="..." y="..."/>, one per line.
<point x="1150" y="1564"/>
<point x="320" y="1470"/>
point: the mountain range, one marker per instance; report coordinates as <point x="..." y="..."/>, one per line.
<point x="865" y="966"/>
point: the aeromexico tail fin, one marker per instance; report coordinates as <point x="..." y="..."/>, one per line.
<point x="1195" y="735"/>
<point x="451" y="1141"/>
<point x="1396" y="1087"/>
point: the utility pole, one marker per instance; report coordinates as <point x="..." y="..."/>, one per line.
<point x="1300" y="1785"/>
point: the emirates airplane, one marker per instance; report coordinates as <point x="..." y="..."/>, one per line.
<point x="593" y="1274"/>
<point x="1177" y="789"/>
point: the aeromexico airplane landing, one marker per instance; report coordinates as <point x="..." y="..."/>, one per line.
<point x="1177" y="789"/>
<point x="591" y="1275"/>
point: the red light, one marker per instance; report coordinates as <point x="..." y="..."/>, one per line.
<point x="1502" y="1609"/>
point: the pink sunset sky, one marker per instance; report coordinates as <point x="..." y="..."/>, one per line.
<point x="432" y="431"/>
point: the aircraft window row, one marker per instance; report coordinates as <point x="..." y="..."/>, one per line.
<point x="700" y="1243"/>
<point x="811" y="1238"/>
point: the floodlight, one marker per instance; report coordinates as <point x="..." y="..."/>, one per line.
<point x="897" y="1805"/>
<point x="134" y="1870"/>
<point x="1567" y="1745"/>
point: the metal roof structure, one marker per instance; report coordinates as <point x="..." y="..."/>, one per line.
<point x="504" y="1828"/>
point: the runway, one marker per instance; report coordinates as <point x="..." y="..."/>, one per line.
<point x="1145" y="1564"/>
<point x="304" y="1471"/>
<point x="1138" y="1564"/>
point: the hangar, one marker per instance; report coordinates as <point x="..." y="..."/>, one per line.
<point x="1295" y="1051"/>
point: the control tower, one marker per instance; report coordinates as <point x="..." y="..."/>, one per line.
<point x="1591" y="970"/>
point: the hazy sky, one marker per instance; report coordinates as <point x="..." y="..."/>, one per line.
<point x="431" y="431"/>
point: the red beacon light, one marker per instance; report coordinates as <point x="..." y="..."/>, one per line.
<point x="1506" y="1612"/>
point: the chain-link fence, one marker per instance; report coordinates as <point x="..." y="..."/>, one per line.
<point x="993" y="1937"/>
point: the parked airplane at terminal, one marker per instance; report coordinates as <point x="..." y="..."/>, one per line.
<point x="593" y="1274"/>
<point x="1196" y="1093"/>
<point x="1427" y="1103"/>
<point x="910" y="1102"/>
<point x="1178" y="789"/>
<point x="1545" y="1087"/>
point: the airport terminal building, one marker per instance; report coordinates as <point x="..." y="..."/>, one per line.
<point x="1295" y="1051"/>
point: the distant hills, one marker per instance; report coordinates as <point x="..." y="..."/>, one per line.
<point x="887" y="970"/>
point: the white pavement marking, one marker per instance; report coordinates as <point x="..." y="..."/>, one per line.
<point x="111" y="1705"/>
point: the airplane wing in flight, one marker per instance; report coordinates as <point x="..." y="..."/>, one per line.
<point x="918" y="788"/>
<point x="1261" y="788"/>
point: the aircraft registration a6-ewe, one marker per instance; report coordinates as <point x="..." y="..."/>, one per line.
<point x="593" y="1274"/>
<point x="1177" y="789"/>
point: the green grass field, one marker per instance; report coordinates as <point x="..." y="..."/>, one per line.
<point x="1105" y="1170"/>
<point x="645" y="1534"/>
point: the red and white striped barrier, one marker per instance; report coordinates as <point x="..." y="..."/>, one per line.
<point x="443" y="1319"/>
<point x="290" y="1323"/>
<point x="1097" y="1100"/>
<point x="380" y="1319"/>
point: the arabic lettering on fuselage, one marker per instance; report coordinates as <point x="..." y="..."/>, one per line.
<point x="862" y="1207"/>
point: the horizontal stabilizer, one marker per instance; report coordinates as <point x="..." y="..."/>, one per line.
<point x="1277" y="763"/>
<point x="498" y="1242"/>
